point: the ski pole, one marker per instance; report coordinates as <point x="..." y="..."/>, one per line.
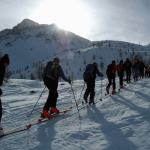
<point x="101" y="89"/>
<point x="82" y="91"/>
<point x="37" y="102"/>
<point x="75" y="99"/>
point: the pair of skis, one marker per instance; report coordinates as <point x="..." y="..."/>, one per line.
<point x="39" y="121"/>
<point x="105" y="96"/>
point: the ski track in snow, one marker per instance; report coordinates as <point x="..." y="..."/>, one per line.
<point x="119" y="122"/>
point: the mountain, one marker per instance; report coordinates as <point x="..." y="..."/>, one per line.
<point x="29" y="43"/>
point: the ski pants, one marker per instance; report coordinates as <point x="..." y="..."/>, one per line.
<point x="141" y="73"/>
<point x="0" y="110"/>
<point x="90" y="88"/>
<point x="128" y="74"/>
<point x="111" y="80"/>
<point x="53" y="94"/>
<point x="136" y="73"/>
<point x="146" y="74"/>
<point x="121" y="78"/>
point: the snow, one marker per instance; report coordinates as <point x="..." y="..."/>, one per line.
<point x="30" y="42"/>
<point x="119" y="122"/>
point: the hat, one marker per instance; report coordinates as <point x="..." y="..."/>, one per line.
<point x="56" y="59"/>
<point x="113" y="62"/>
<point x="94" y="63"/>
<point x="5" y="59"/>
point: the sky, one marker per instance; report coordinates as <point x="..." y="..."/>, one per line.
<point x="96" y="20"/>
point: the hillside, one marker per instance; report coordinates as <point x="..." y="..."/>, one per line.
<point x="29" y="43"/>
<point x="119" y="122"/>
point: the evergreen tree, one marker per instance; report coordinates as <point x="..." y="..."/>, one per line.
<point x="32" y="76"/>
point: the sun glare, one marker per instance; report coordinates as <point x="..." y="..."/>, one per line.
<point x="67" y="14"/>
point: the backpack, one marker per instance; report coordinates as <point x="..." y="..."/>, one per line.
<point x="109" y="69"/>
<point x="120" y="66"/>
<point x="127" y="64"/>
<point x="88" y="73"/>
<point x="49" y="70"/>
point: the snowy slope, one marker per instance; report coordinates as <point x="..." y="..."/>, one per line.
<point x="30" y="42"/>
<point x="102" y="55"/>
<point x="119" y="122"/>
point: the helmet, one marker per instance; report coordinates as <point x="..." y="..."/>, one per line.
<point x="56" y="59"/>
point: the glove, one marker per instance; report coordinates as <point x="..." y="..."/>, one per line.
<point x="69" y="80"/>
<point x="1" y="92"/>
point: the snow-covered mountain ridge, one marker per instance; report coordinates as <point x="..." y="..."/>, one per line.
<point x="29" y="42"/>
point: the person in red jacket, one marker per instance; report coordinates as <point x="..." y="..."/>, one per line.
<point x="111" y="70"/>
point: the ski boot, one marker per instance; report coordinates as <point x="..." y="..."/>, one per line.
<point x="121" y="86"/>
<point x="1" y="129"/>
<point x="45" y="114"/>
<point x="91" y="102"/>
<point x="54" y="109"/>
<point x="113" y="91"/>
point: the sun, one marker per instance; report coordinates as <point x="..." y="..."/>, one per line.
<point x="67" y="14"/>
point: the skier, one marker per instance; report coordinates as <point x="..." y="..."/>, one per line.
<point x="51" y="74"/>
<point x="121" y="69"/>
<point x="141" y="69"/>
<point x="89" y="78"/>
<point x="4" y="62"/>
<point x="128" y="66"/>
<point x="136" y="70"/>
<point x="146" y="71"/>
<point x="111" y="69"/>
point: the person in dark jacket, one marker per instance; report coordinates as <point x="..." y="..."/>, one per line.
<point x="128" y="67"/>
<point x="146" y="71"/>
<point x="111" y="69"/>
<point x="93" y="70"/>
<point x="141" y="70"/>
<point x="4" y="62"/>
<point x="121" y="69"/>
<point x="50" y="78"/>
<point x="136" y="70"/>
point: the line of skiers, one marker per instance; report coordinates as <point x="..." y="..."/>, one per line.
<point x="53" y="71"/>
<point x="137" y="71"/>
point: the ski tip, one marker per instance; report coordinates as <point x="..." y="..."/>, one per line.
<point x="29" y="125"/>
<point x="65" y="112"/>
